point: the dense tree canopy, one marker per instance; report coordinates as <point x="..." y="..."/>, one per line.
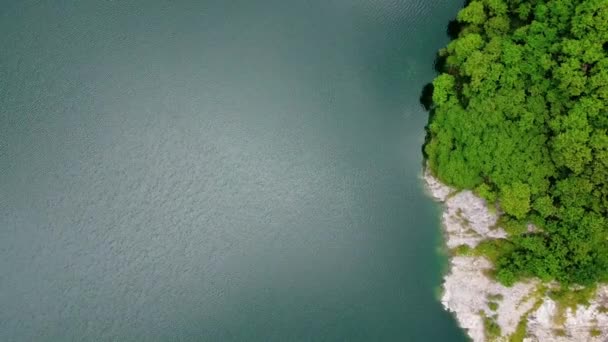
<point x="520" y="114"/>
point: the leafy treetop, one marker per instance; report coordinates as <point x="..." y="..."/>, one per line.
<point x="520" y="113"/>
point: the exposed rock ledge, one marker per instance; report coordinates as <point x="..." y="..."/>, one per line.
<point x="468" y="292"/>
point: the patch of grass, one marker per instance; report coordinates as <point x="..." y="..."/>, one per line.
<point x="495" y="296"/>
<point x="538" y="293"/>
<point x="461" y="250"/>
<point x="491" y="327"/>
<point x="520" y="331"/>
<point x="560" y="332"/>
<point x="566" y="298"/>
<point x="595" y="332"/>
<point x="602" y="309"/>
<point x="493" y="306"/>
<point x="493" y="249"/>
<point x="490" y="273"/>
<point x="560" y="315"/>
<point x="522" y="326"/>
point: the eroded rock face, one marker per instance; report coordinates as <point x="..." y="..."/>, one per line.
<point x="467" y="291"/>
<point x="579" y="325"/>
<point x="437" y="190"/>
<point x="467" y="220"/>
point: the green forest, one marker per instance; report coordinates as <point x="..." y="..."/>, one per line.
<point x="519" y="114"/>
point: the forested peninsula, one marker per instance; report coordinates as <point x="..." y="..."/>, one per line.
<point x="519" y="116"/>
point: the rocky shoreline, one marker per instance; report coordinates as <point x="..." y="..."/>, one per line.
<point x="522" y="312"/>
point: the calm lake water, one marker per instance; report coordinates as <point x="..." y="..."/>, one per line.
<point x="218" y="171"/>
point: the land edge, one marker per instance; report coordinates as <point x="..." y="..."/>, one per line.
<point x="489" y="311"/>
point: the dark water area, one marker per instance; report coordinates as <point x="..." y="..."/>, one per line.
<point x="218" y="171"/>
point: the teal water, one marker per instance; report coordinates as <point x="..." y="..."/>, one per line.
<point x="218" y="171"/>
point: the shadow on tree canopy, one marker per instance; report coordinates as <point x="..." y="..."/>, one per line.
<point x="426" y="97"/>
<point x="454" y="28"/>
<point x="439" y="63"/>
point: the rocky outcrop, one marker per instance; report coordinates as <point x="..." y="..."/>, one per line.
<point x="476" y="300"/>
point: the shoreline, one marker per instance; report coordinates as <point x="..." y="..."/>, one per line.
<point x="484" y="308"/>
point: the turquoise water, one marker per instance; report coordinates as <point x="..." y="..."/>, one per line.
<point x="218" y="171"/>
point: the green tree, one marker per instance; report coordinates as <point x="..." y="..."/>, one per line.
<point x="515" y="199"/>
<point x="520" y="115"/>
<point x="473" y="14"/>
